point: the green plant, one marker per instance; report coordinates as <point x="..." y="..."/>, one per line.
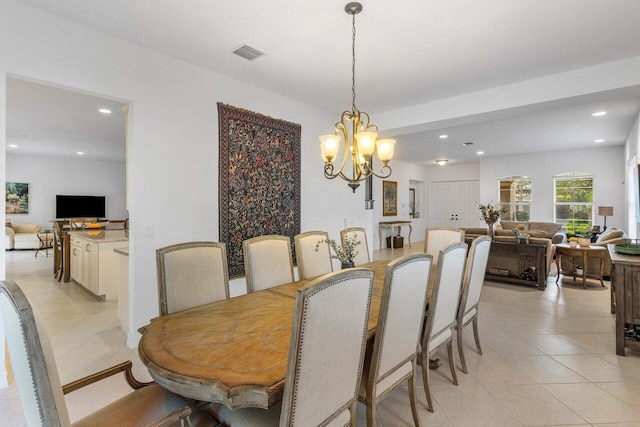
<point x="345" y="254"/>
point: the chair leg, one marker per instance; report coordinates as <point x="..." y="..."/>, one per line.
<point x="412" y="399"/>
<point x="371" y="411"/>
<point x="452" y="362"/>
<point x="425" y="380"/>
<point x="459" y="330"/>
<point x="476" y="335"/>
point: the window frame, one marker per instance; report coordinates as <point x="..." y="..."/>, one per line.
<point x="519" y="210"/>
<point x="574" y="225"/>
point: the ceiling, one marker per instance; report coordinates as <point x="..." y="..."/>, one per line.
<point x="408" y="55"/>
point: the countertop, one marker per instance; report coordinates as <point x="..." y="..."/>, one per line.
<point x="122" y="251"/>
<point x="617" y="258"/>
<point x="101" y="236"/>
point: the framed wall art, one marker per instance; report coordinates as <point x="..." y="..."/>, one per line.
<point x="389" y="198"/>
<point x="17" y="198"/>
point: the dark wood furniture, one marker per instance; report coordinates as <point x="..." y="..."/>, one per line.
<point x="233" y="351"/>
<point x="584" y="252"/>
<point x="519" y="263"/>
<point x="625" y="297"/>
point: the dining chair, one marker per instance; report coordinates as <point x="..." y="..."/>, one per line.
<point x="471" y="290"/>
<point x="267" y="262"/>
<point x="443" y="306"/>
<point x="191" y="274"/>
<point x="438" y="238"/>
<point x="326" y="352"/>
<point x="363" y="248"/>
<point x="58" y="254"/>
<point x="400" y="320"/>
<point x="312" y="262"/>
<point x="42" y="394"/>
<point x="81" y="223"/>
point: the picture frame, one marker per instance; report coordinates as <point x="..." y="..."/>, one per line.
<point x="17" y="198"/>
<point x="389" y="198"/>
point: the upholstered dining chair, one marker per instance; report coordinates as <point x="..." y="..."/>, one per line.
<point x="471" y="290"/>
<point x="438" y="238"/>
<point x="312" y="263"/>
<point x="42" y="395"/>
<point x="326" y="352"/>
<point x="392" y="360"/>
<point x="443" y="306"/>
<point x="80" y="223"/>
<point x="267" y="262"/>
<point x="363" y="248"/>
<point x="191" y="274"/>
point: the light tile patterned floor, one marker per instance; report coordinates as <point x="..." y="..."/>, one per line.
<point x="549" y="357"/>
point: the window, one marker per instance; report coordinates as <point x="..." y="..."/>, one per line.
<point x="515" y="192"/>
<point x="574" y="201"/>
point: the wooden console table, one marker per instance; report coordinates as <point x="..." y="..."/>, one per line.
<point x="625" y="296"/>
<point x="506" y="259"/>
<point x="392" y="225"/>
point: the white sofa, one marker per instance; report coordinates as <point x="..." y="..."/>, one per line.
<point x="22" y="236"/>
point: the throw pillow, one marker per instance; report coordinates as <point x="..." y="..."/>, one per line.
<point x="612" y="233"/>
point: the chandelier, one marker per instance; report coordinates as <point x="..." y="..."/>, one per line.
<point x="358" y="133"/>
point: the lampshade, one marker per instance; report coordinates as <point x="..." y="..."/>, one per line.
<point x="385" y="149"/>
<point x="366" y="142"/>
<point x="605" y="210"/>
<point x="329" y="145"/>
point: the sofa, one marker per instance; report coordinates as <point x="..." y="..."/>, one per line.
<point x="613" y="236"/>
<point x="22" y="236"/>
<point x="544" y="230"/>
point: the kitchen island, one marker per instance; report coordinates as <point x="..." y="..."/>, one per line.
<point x="93" y="262"/>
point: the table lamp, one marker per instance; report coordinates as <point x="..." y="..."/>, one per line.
<point x="605" y="211"/>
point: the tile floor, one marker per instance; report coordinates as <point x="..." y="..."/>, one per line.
<point x="549" y="357"/>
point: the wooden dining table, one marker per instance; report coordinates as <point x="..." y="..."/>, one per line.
<point x="232" y="351"/>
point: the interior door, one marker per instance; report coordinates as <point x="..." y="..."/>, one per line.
<point x="453" y="204"/>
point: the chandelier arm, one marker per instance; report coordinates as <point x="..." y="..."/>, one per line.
<point x="381" y="175"/>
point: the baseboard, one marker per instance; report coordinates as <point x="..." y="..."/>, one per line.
<point x="133" y="339"/>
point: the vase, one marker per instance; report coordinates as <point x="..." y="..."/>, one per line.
<point x="491" y="231"/>
<point x="348" y="265"/>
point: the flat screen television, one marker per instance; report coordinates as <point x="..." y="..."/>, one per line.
<point x="80" y="206"/>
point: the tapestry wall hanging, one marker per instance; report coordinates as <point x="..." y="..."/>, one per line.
<point x="17" y="198"/>
<point x="259" y="167"/>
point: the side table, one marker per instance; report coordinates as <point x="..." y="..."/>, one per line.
<point x="585" y="252"/>
<point x="46" y="242"/>
<point x="392" y="225"/>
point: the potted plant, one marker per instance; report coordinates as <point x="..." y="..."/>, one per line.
<point x="491" y="214"/>
<point x="345" y="254"/>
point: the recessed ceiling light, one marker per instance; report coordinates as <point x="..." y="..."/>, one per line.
<point x="442" y="162"/>
<point x="480" y="153"/>
<point x="80" y="153"/>
<point x="443" y="136"/>
<point x="466" y="144"/>
<point x="599" y="113"/>
<point x="13" y="146"/>
<point x="598" y="141"/>
<point x="104" y="111"/>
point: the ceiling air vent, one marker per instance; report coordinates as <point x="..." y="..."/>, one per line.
<point x="248" y="52"/>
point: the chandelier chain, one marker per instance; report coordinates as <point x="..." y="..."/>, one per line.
<point x="353" y="63"/>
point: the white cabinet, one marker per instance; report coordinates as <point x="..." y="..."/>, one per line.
<point x="94" y="265"/>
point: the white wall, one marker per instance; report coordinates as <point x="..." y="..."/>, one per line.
<point x="605" y="164"/>
<point x="632" y="148"/>
<point x="173" y="134"/>
<point x="50" y="176"/>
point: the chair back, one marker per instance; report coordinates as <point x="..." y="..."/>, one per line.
<point x="57" y="235"/>
<point x="474" y="275"/>
<point x="80" y="223"/>
<point x="191" y="274"/>
<point x="312" y="263"/>
<point x="400" y="322"/>
<point x="267" y="262"/>
<point x="363" y="248"/>
<point x="439" y="238"/>
<point x="328" y="342"/>
<point x="443" y="305"/>
<point x="32" y="360"/>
